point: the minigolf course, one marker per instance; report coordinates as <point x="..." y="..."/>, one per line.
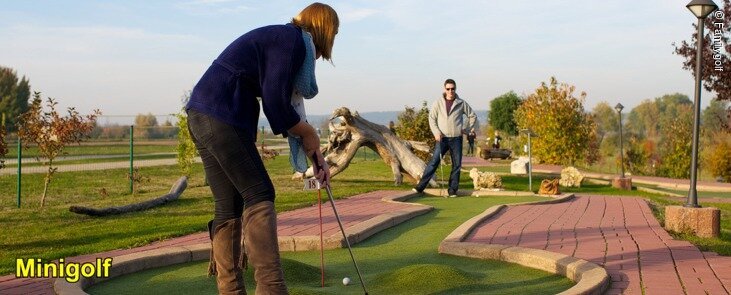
<point x="399" y="260"/>
<point x="412" y="244"/>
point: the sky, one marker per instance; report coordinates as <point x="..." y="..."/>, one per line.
<point x="131" y="57"/>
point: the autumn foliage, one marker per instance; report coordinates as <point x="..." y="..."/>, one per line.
<point x="675" y="147"/>
<point x="718" y="159"/>
<point x="557" y="116"/>
<point x="50" y="132"/>
<point x="413" y="125"/>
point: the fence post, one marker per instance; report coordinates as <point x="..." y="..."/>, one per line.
<point x="131" y="158"/>
<point x="20" y="164"/>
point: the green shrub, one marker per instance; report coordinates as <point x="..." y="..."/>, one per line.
<point x="414" y="125"/>
<point x="675" y="147"/>
<point x="719" y="157"/>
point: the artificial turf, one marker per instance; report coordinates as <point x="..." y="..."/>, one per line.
<point x="400" y="260"/>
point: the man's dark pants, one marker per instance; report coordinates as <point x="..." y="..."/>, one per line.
<point x="454" y="146"/>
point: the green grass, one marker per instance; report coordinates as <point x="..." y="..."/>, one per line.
<point x="610" y="165"/>
<point x="400" y="260"/>
<point x="53" y="232"/>
<point x="701" y="194"/>
<point x="720" y="245"/>
<point x="520" y="183"/>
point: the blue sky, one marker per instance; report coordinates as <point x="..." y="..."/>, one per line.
<point x="129" y="57"/>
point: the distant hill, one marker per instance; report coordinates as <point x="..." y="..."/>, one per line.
<point x="376" y="117"/>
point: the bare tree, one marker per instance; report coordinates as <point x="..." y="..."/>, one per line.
<point x="51" y="132"/>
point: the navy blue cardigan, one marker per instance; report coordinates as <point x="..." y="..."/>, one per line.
<point x="261" y="63"/>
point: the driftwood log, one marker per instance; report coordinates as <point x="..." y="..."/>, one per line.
<point x="174" y="193"/>
<point x="349" y="131"/>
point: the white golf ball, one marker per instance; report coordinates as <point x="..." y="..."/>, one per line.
<point x="346" y="281"/>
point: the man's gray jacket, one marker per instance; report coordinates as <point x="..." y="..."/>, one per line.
<point x="451" y="124"/>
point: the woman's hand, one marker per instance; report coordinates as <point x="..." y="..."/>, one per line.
<point x="311" y="144"/>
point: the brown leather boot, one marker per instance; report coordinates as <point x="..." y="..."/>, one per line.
<point x="226" y="254"/>
<point x="262" y="248"/>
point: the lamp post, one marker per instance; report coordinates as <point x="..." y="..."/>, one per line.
<point x="530" y="159"/>
<point x="619" y="107"/>
<point x="701" y="9"/>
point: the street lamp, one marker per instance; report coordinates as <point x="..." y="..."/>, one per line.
<point x="530" y="159"/>
<point x="619" y="107"/>
<point x="701" y="9"/>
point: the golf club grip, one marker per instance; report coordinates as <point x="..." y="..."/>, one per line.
<point x="315" y="163"/>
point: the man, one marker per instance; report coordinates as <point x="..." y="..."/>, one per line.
<point x="496" y="142"/>
<point x="446" y="123"/>
<point x="471" y="142"/>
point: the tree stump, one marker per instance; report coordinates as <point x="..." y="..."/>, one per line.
<point x="348" y="132"/>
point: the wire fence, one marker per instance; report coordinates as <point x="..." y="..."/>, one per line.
<point x="126" y="153"/>
<point x="127" y="150"/>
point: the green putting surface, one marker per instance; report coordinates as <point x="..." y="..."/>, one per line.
<point x="400" y="260"/>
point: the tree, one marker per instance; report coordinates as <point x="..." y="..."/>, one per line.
<point x="715" y="117"/>
<point x="647" y="118"/>
<point x="14" y="95"/>
<point x="675" y="149"/>
<point x="558" y="117"/>
<point x="718" y="159"/>
<point x="414" y="125"/>
<point x="51" y="132"/>
<point x="716" y="53"/>
<point x="643" y="120"/>
<point x="501" y="112"/>
<point x="145" y="126"/>
<point x="3" y="147"/>
<point x="186" y="148"/>
<point x="607" y="128"/>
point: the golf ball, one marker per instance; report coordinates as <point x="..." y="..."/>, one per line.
<point x="346" y="281"/>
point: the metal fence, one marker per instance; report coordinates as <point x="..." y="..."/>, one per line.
<point x="130" y="151"/>
<point x="129" y="148"/>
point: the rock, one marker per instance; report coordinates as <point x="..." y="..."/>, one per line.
<point x="519" y="166"/>
<point x="485" y="180"/>
<point x="571" y="177"/>
<point x="549" y="187"/>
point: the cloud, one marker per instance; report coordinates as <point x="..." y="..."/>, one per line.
<point x="88" y="42"/>
<point x="213" y="7"/>
<point x="358" y="14"/>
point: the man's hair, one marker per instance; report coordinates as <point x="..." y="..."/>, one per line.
<point x="322" y="22"/>
<point x="450" y="81"/>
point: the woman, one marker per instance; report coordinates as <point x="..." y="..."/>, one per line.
<point x="223" y="112"/>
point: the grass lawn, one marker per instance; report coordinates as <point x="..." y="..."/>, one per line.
<point x="701" y="194"/>
<point x="400" y="260"/>
<point x="53" y="232"/>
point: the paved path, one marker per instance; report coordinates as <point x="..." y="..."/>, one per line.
<point x="618" y="233"/>
<point x="354" y="211"/>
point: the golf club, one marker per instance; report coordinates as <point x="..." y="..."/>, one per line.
<point x="441" y="182"/>
<point x="342" y="230"/>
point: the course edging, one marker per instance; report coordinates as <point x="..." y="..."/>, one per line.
<point x="134" y="262"/>
<point x="589" y="277"/>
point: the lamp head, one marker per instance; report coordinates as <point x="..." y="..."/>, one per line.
<point x="619" y="107"/>
<point x="702" y="8"/>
